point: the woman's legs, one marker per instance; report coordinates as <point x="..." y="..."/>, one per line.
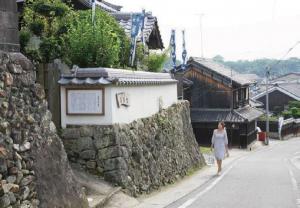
<point x="219" y="162"/>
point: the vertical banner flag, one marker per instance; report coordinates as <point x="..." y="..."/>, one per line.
<point x="173" y="48"/>
<point x="142" y="29"/>
<point x="184" y="52"/>
<point x="136" y="25"/>
<point x="93" y="11"/>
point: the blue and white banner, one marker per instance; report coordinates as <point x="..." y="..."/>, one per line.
<point x="184" y="52"/>
<point x="136" y="27"/>
<point x="93" y="11"/>
<point x="173" y="48"/>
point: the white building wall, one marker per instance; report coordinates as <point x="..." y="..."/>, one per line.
<point x="144" y="102"/>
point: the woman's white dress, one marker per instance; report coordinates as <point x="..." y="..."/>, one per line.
<point x="219" y="141"/>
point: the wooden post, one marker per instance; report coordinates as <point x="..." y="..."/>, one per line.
<point x="9" y="32"/>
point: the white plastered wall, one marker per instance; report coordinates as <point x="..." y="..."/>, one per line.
<point x="144" y="102"/>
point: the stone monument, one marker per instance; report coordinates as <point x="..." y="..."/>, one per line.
<point x="9" y="32"/>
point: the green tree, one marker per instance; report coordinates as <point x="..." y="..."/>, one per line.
<point x="154" y="62"/>
<point x="47" y="21"/>
<point x="102" y="44"/>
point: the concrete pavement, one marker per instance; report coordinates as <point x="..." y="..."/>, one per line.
<point x="179" y="193"/>
<point x="268" y="178"/>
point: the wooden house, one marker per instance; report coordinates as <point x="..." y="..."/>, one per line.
<point x="217" y="93"/>
<point x="279" y="95"/>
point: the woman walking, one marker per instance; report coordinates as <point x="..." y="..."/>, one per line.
<point x="219" y="143"/>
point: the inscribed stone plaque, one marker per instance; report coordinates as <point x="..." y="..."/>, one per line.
<point x="83" y="101"/>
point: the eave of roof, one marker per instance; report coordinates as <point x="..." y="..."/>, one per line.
<point x="151" y="34"/>
<point x="220" y="70"/>
<point x="245" y="114"/>
<point x="107" y="76"/>
<point x="281" y="89"/>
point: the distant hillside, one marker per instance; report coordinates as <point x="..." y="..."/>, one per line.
<point x="259" y="66"/>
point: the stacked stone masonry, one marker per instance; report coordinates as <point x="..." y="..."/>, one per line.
<point x="141" y="156"/>
<point x="34" y="170"/>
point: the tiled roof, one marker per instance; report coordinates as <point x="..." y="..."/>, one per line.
<point x="221" y="70"/>
<point x="293" y="88"/>
<point x="106" y="76"/>
<point x="200" y="115"/>
<point x="214" y="115"/>
<point x="287" y="78"/>
<point x="290" y="89"/>
<point x="151" y="30"/>
<point x="251" y="77"/>
<point x="255" y="103"/>
<point x="249" y="113"/>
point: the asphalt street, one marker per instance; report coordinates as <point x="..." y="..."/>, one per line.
<point x="269" y="178"/>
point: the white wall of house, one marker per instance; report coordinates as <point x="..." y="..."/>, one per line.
<point x="144" y="101"/>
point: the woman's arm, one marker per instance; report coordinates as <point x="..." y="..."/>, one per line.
<point x="212" y="140"/>
<point x="226" y="142"/>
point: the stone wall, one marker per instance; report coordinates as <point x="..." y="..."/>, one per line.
<point x="34" y="169"/>
<point x="140" y="156"/>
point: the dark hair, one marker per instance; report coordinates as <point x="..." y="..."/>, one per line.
<point x="222" y="124"/>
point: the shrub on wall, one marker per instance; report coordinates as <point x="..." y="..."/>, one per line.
<point x="103" y="43"/>
<point x="44" y="20"/>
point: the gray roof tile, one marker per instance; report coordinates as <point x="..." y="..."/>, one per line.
<point x="247" y="113"/>
<point x="221" y="70"/>
<point x="151" y="28"/>
<point x="105" y="76"/>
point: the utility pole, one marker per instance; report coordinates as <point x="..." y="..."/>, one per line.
<point x="268" y="70"/>
<point x="267" y="105"/>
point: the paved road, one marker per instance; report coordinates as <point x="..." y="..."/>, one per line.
<point x="269" y="178"/>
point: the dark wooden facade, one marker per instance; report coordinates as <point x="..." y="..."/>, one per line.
<point x="209" y="92"/>
<point x="215" y="97"/>
<point x="278" y="100"/>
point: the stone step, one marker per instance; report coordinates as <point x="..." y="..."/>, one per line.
<point x="99" y="201"/>
<point x="98" y="191"/>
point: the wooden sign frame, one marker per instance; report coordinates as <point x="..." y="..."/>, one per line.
<point x="86" y="89"/>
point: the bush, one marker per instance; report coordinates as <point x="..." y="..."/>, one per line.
<point x="287" y="114"/>
<point x="24" y="39"/>
<point x="37" y="28"/>
<point x="294" y="104"/>
<point x="155" y="61"/>
<point x="104" y="44"/>
<point x="48" y="20"/>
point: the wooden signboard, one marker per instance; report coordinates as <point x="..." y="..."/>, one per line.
<point x="122" y="99"/>
<point x="85" y="101"/>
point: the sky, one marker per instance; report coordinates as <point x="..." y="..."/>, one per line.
<point x="235" y="29"/>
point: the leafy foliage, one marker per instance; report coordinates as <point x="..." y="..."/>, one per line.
<point x="51" y="29"/>
<point x="45" y="19"/>
<point x="293" y="110"/>
<point x="155" y="61"/>
<point x="102" y="44"/>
